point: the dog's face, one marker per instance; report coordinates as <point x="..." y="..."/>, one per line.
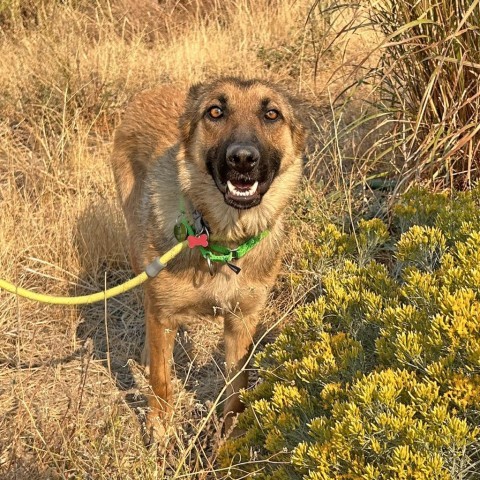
<point x="242" y="134"/>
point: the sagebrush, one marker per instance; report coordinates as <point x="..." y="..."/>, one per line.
<point x="377" y="378"/>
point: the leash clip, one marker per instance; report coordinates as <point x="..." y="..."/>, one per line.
<point x="199" y="224"/>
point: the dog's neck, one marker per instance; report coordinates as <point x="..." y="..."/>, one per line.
<point x="226" y="223"/>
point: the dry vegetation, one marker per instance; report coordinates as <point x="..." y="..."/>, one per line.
<point x="71" y="400"/>
<point x="430" y="84"/>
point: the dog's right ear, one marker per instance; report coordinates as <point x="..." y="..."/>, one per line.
<point x="191" y="114"/>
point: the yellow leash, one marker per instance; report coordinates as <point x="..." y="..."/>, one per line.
<point x="151" y="271"/>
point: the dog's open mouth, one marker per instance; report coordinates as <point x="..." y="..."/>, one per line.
<point x="242" y="193"/>
<point x="242" y="174"/>
<point x="239" y="188"/>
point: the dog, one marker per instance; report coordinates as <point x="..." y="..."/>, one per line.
<point x="227" y="156"/>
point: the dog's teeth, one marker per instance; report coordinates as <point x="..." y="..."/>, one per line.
<point x="242" y="193"/>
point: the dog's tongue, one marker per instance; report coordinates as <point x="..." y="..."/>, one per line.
<point x="242" y="184"/>
<point x="242" y="188"/>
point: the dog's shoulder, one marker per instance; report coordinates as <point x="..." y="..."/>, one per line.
<point x="150" y="123"/>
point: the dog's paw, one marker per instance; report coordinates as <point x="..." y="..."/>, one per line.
<point x="145" y="360"/>
<point x="230" y="427"/>
<point x="157" y="430"/>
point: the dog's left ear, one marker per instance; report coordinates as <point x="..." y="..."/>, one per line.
<point x="191" y="114"/>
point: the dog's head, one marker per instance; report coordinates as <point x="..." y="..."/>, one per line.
<point x="242" y="133"/>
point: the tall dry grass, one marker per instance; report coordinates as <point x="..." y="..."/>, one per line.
<point x="71" y="389"/>
<point x="430" y="83"/>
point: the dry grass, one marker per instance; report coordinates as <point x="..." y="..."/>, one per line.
<point x="430" y="69"/>
<point x="71" y="396"/>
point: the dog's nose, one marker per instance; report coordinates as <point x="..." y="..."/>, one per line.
<point x="242" y="157"/>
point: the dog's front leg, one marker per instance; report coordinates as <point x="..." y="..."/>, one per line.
<point x="238" y="333"/>
<point x="160" y="341"/>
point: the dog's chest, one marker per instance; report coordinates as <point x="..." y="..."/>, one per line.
<point x="199" y="293"/>
<point x="224" y="293"/>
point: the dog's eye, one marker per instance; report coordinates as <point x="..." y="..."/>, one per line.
<point x="272" y="115"/>
<point x="215" y="112"/>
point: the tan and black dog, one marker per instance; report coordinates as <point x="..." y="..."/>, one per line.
<point x="231" y="150"/>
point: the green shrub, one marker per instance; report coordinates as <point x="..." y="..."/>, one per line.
<point x="379" y="377"/>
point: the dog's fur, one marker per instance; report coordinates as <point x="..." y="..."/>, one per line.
<point x="171" y="145"/>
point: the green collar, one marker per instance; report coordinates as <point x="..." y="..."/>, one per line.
<point x="211" y="252"/>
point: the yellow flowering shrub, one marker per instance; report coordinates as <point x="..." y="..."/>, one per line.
<point x="379" y="377"/>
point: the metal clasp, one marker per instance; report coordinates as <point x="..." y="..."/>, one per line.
<point x="210" y="267"/>
<point x="199" y="224"/>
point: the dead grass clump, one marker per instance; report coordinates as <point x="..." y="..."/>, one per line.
<point x="430" y="84"/>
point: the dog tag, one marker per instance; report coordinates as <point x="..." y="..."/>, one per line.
<point x="200" y="241"/>
<point x="180" y="232"/>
